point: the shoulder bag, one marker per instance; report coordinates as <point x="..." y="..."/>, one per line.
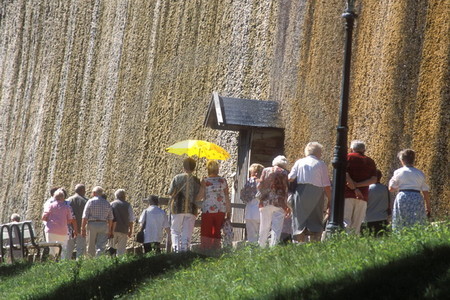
<point x="140" y="234"/>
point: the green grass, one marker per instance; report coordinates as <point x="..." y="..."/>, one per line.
<point x="412" y="265"/>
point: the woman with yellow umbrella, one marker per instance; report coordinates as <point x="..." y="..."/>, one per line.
<point x="213" y="189"/>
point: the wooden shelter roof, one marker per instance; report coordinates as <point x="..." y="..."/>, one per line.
<point x="228" y="113"/>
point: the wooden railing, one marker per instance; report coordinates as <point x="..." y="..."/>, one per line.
<point x="165" y="201"/>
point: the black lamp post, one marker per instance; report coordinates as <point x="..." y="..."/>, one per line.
<point x="340" y="150"/>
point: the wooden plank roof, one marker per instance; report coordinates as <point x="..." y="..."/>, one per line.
<point x="228" y="113"/>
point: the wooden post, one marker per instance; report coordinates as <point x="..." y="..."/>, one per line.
<point x="244" y="146"/>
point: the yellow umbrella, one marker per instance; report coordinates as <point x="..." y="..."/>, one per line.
<point x="200" y="149"/>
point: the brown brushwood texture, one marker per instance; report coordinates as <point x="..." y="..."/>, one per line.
<point x="94" y="91"/>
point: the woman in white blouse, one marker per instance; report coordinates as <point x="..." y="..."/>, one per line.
<point x="409" y="207"/>
<point x="309" y="204"/>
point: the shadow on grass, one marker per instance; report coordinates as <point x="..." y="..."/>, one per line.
<point x="16" y="268"/>
<point x="425" y="275"/>
<point x="122" y="278"/>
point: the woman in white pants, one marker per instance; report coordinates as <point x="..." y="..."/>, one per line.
<point x="248" y="196"/>
<point x="272" y="195"/>
<point x="183" y="190"/>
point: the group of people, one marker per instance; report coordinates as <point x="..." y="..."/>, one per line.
<point x="292" y="202"/>
<point x="275" y="197"/>
<point x="95" y="225"/>
<point x="278" y="201"/>
<point x="87" y="224"/>
<point x="186" y="190"/>
<point x="367" y="199"/>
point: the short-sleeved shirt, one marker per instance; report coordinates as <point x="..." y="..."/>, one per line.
<point x="215" y="200"/>
<point x="273" y="187"/>
<point x="248" y="196"/>
<point x="123" y="215"/>
<point x="310" y="170"/>
<point x="48" y="202"/>
<point x="409" y="178"/>
<point x="77" y="203"/>
<point x="248" y="192"/>
<point x="378" y="203"/>
<point x="58" y="214"/>
<point x="185" y="187"/>
<point x="98" y="209"/>
<point x="156" y="221"/>
<point x="360" y="168"/>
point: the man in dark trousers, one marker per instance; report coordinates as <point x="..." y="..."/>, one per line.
<point x="155" y="221"/>
<point x="378" y="207"/>
<point x="77" y="201"/>
<point x="123" y="221"/>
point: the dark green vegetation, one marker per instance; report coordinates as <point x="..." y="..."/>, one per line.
<point x="413" y="265"/>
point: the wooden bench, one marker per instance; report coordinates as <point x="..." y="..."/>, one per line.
<point x="6" y="243"/>
<point x="18" y="238"/>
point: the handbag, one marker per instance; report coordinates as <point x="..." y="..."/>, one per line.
<point x="110" y="250"/>
<point x="140" y="234"/>
<point x="228" y="233"/>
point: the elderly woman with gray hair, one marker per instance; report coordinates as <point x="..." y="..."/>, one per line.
<point x="410" y="207"/>
<point x="57" y="215"/>
<point x="313" y="183"/>
<point x="272" y="195"/>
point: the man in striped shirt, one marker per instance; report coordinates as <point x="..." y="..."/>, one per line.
<point x="97" y="222"/>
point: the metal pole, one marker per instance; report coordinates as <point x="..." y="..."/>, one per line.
<point x="340" y="150"/>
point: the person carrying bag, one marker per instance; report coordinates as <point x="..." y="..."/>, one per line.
<point x="140" y="235"/>
<point x="153" y="221"/>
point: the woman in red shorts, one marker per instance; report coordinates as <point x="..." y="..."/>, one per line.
<point x="216" y="206"/>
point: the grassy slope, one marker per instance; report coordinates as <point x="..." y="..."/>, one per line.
<point x="414" y="265"/>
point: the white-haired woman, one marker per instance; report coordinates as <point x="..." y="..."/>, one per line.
<point x="57" y="216"/>
<point x="313" y="183"/>
<point x="272" y="195"/>
<point x="409" y="205"/>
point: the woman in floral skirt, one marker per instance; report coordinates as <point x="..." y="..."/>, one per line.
<point x="409" y="207"/>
